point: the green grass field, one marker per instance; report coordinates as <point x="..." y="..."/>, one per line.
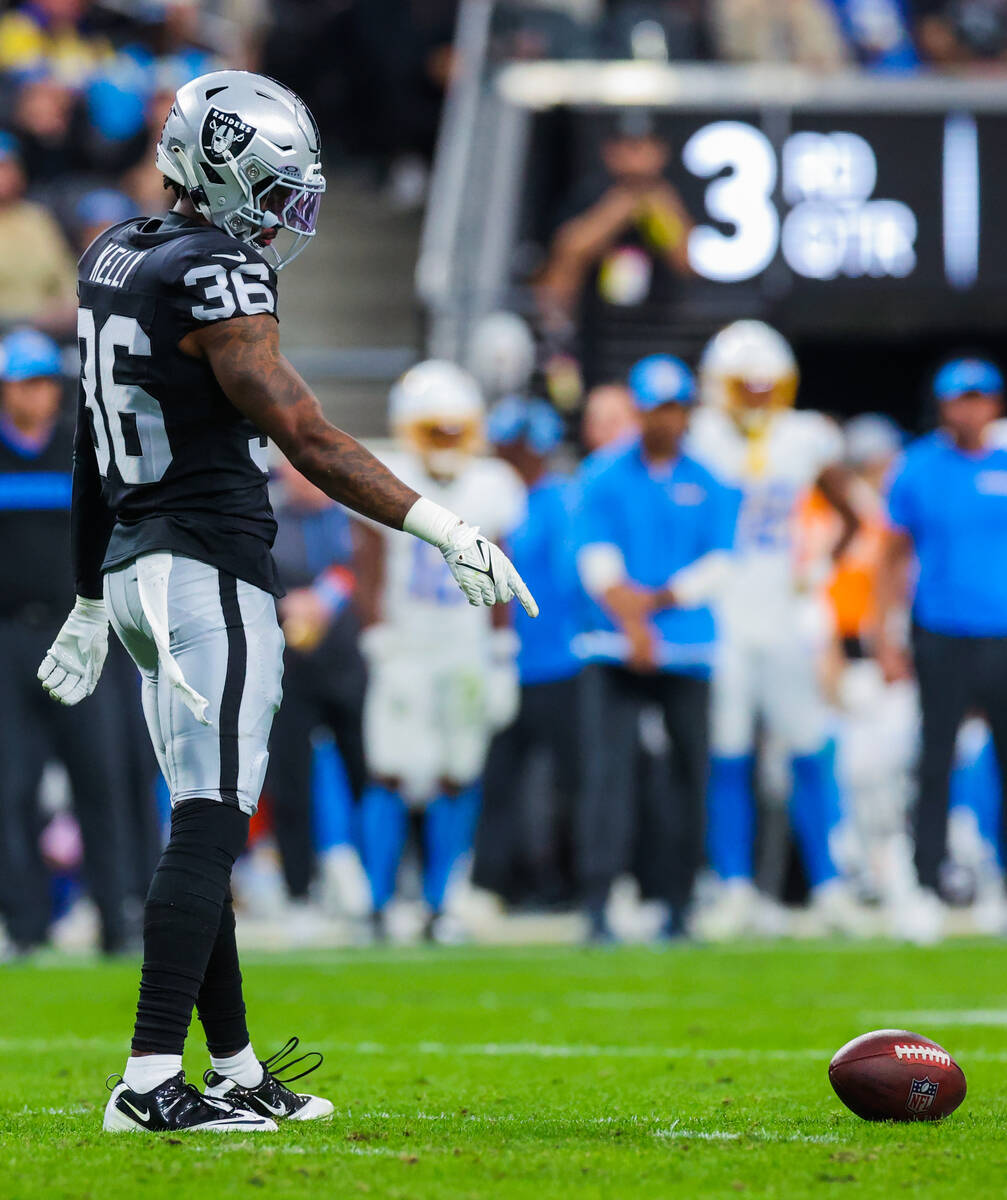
<point x="538" y="1073"/>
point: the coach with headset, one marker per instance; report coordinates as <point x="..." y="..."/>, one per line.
<point x="655" y="532"/>
<point x="947" y="513"/>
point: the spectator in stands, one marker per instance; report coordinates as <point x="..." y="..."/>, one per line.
<point x="654" y="533"/>
<point x="947" y="511"/>
<point x="51" y="31"/>
<point x="879" y="33"/>
<point x="144" y="183"/>
<point x="959" y="33"/>
<point x="637" y="211"/>
<point x="323" y="672"/>
<point x="796" y="31"/>
<point x="51" y="141"/>
<point x="624" y="250"/>
<point x="39" y="282"/>
<point x="36" y="447"/>
<point x="96" y="210"/>
<point x="520" y="853"/>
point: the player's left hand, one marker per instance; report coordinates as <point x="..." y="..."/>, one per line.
<point x="483" y="572"/>
<point x="71" y="669"/>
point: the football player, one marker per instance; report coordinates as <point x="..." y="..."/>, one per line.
<point x="181" y="383"/>
<point x="442" y="679"/>
<point x="747" y="433"/>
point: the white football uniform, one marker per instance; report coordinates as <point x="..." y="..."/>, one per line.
<point x="429" y="714"/>
<point x="768" y="625"/>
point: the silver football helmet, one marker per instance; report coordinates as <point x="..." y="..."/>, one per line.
<point x="246" y="150"/>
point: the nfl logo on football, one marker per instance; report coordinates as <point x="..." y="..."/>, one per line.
<point x="922" y="1094"/>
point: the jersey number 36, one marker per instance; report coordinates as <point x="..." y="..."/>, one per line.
<point x="127" y="421"/>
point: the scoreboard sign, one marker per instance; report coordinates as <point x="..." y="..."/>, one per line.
<point x="844" y="203"/>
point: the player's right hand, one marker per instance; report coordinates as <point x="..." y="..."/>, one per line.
<point x="71" y="669"/>
<point x="483" y="572"/>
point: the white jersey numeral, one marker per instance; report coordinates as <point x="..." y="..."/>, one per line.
<point x="241" y="290"/>
<point x="742" y="198"/>
<point x="127" y="421"/>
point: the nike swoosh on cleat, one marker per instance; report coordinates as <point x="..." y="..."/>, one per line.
<point x="279" y="1111"/>
<point x="143" y="1116"/>
<point x="232" y="257"/>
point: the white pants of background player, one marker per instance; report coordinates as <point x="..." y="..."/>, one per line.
<point x="428" y="720"/>
<point x="774" y="682"/>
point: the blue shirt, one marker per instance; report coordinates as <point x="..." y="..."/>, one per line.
<point x="954" y="507"/>
<point x="662" y="521"/>
<point x="543" y="551"/>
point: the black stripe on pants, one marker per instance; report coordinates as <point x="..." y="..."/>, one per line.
<point x="234" y="687"/>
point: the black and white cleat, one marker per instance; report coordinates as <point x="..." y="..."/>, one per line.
<point x="177" y="1107"/>
<point x="272" y="1097"/>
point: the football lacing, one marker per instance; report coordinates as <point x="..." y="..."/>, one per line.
<point x="923" y="1053"/>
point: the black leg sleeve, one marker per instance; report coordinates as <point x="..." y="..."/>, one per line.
<point x="182" y="918"/>
<point x="220" y="1003"/>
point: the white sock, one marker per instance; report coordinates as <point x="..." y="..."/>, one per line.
<point x="148" y="1071"/>
<point x="244" y="1068"/>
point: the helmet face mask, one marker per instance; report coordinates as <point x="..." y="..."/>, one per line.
<point x="246" y="151"/>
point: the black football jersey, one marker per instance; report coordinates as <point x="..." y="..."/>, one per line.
<point x="159" y="447"/>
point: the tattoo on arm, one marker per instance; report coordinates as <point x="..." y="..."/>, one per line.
<point x="245" y="357"/>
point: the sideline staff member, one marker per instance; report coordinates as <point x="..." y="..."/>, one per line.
<point x="947" y="506"/>
<point x="655" y="532"/>
<point x="35" y="589"/>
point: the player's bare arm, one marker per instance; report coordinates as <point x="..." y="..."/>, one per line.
<point x="892" y="587"/>
<point x="245" y="357"/>
<point x="261" y="383"/>
<point x="834" y="484"/>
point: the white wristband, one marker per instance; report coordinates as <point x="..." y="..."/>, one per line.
<point x="432" y="523"/>
<point x="94" y="610"/>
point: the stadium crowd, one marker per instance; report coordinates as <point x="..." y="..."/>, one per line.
<point x="722" y="697"/>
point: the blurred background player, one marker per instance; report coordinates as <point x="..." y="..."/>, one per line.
<point x="767" y="675"/>
<point x="654" y="533"/>
<point x="443" y="675"/>
<point x="324" y="682"/>
<point x="876" y="722"/>
<point x="524" y="841"/>
<point x="502" y="354"/>
<point x="36" y="448"/>
<point x="947" y="512"/>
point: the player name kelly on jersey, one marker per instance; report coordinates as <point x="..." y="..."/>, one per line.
<point x="115" y="264"/>
<point x="163" y="460"/>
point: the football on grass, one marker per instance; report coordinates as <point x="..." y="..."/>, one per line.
<point x="894" y="1075"/>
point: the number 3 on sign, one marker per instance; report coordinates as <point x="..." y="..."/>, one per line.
<point x="743" y="198"/>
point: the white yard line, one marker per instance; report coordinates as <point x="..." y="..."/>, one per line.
<point x="40" y="1045"/>
<point x="991" y="1018"/>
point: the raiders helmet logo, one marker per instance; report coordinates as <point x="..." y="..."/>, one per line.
<point x="223" y="134"/>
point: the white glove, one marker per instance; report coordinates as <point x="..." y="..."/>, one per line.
<point x="503" y="688"/>
<point x="71" y="669"/>
<point x="483" y="572"/>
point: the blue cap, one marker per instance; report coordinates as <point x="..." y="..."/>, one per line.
<point x="661" y="379"/>
<point x="962" y="375"/>
<point x="104" y="206"/>
<point x="28" y="354"/>
<point x="535" y="422"/>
